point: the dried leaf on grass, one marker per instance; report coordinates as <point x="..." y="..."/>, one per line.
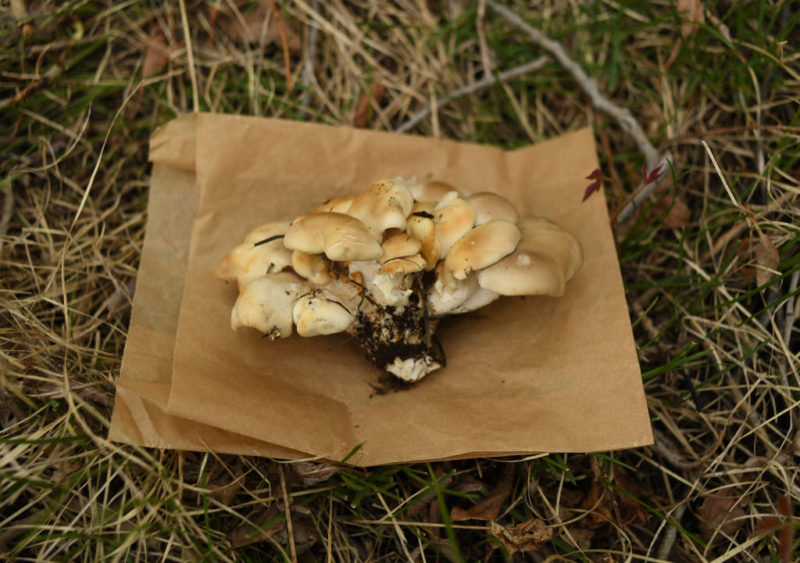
<point x="248" y="25"/>
<point x="156" y="53"/>
<point x="784" y="527"/>
<point x="227" y="485"/>
<point x="767" y="258"/>
<point x="259" y="527"/>
<point x="488" y="508"/>
<point x="678" y="213"/>
<point x="609" y="506"/>
<point x="693" y="14"/>
<point x="364" y="107"/>
<point x="721" y="513"/>
<point x="312" y="473"/>
<point x="526" y="536"/>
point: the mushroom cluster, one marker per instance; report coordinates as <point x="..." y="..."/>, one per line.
<point x="385" y="265"/>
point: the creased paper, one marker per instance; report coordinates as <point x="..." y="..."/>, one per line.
<point x="523" y="375"/>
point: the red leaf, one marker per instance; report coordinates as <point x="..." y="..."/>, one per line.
<point x="595" y="175"/>
<point x="590" y="189"/>
<point x="653" y="175"/>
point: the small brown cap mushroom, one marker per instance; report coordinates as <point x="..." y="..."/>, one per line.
<point x="338" y="204"/>
<point x="311" y="267"/>
<point x="424" y="229"/>
<point x="481" y="247"/>
<point x="399" y="245"/>
<point x="255" y="258"/>
<point x="317" y="314"/>
<point x="430" y="190"/>
<point x="385" y="204"/>
<point x="547" y="257"/>
<point x="453" y="217"/>
<point x="489" y="205"/>
<point x="266" y="304"/>
<point x="403" y="265"/>
<point x="340" y="237"/>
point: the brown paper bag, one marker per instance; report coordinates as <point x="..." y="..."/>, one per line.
<point x="523" y="375"/>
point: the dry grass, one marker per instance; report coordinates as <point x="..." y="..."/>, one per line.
<point x="715" y="313"/>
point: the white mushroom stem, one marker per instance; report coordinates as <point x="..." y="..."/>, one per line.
<point x="447" y="293"/>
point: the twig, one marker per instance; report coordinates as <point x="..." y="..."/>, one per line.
<point x="26" y="92"/>
<point x="311" y="48"/>
<point x="289" y="528"/>
<point x="623" y="115"/>
<point x="487" y="67"/>
<point x="653" y="158"/>
<point x="790" y="317"/>
<point x="644" y="190"/>
<point x="472" y="88"/>
<point x="8" y="206"/>
<point x="671" y="533"/>
<point x="284" y="44"/>
<point x="190" y="54"/>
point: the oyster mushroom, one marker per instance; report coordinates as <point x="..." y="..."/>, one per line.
<point x="385" y="265"/>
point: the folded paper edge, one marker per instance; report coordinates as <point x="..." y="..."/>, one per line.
<point x="174" y="143"/>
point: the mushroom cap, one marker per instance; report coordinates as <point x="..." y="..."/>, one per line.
<point x="481" y="247"/>
<point x="249" y="261"/>
<point x="399" y="245"/>
<point x="317" y="314"/>
<point x="311" y="267"/>
<point x="538" y="233"/>
<point x="420" y="208"/>
<point x="489" y="205"/>
<point x="424" y="229"/>
<point x="453" y="217"/>
<point x="385" y="204"/>
<point x="340" y="237"/>
<point x="430" y="190"/>
<point x="338" y="204"/>
<point x="546" y="257"/>
<point x="266" y="304"/>
<point x="404" y="264"/>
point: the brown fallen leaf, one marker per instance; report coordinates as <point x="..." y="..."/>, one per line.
<point x="259" y="527"/>
<point x="597" y="501"/>
<point x="248" y="25"/>
<point x="364" y="106"/>
<point x="488" y="508"/>
<point x="678" y="213"/>
<point x="783" y="525"/>
<point x="721" y="513"/>
<point x="226" y="486"/>
<point x="156" y="53"/>
<point x="692" y="13"/>
<point x="767" y="258"/>
<point x="312" y="473"/>
<point x="526" y="536"/>
<point x="609" y="506"/>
